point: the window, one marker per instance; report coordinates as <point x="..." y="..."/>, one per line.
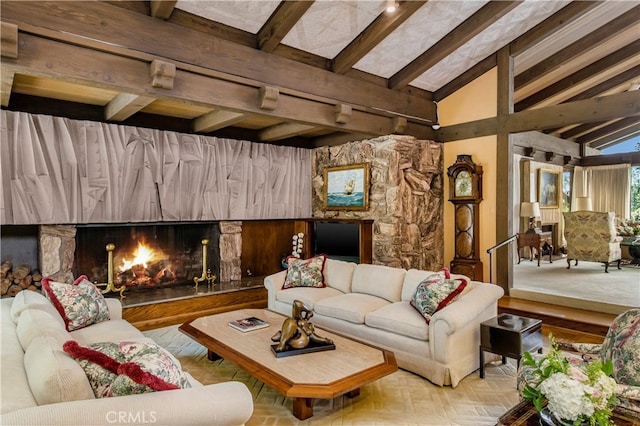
<point x="567" y="176"/>
<point x="635" y="193"/>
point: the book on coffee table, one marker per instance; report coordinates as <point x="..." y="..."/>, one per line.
<point x="248" y="324"/>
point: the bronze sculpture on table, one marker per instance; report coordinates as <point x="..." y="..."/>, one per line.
<point x="297" y="332"/>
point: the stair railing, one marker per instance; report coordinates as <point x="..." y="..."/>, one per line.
<point x="490" y="250"/>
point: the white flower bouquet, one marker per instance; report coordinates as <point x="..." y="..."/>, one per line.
<point x="576" y="394"/>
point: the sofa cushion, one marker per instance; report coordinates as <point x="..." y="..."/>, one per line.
<point x="352" y="307"/>
<point x="436" y="292"/>
<point x="308" y="296"/>
<point x="53" y="375"/>
<point x="400" y="318"/>
<point x="339" y="274"/>
<point x="107" y="331"/>
<point x="127" y="368"/>
<point x="35" y="322"/>
<point x="305" y="272"/>
<point x="378" y="280"/>
<point x="79" y="304"/>
<point x="29" y="299"/>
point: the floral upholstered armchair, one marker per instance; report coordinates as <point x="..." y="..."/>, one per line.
<point x="591" y="236"/>
<point x="621" y="346"/>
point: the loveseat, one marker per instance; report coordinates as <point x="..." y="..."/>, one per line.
<point x="41" y="384"/>
<point x="371" y="303"/>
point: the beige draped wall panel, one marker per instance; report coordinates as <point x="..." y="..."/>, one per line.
<point x="56" y="170"/>
<point x="609" y="188"/>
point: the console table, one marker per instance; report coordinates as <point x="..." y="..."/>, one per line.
<point x="535" y="240"/>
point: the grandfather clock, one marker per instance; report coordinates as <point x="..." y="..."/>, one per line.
<point x="465" y="192"/>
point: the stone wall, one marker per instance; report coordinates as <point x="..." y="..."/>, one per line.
<point x="57" y="251"/>
<point x="230" y="251"/>
<point x="405" y="198"/>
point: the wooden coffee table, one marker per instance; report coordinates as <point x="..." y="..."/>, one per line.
<point x="326" y="374"/>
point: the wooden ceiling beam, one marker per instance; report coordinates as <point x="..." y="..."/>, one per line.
<point x="613" y="82"/>
<point x="336" y="139"/>
<point x="68" y="62"/>
<point x="588" y="42"/>
<point x="216" y="120"/>
<point x="546" y="28"/>
<point x="629" y="51"/>
<point x="162" y="9"/>
<point x="464" y="32"/>
<point x="467" y="77"/>
<point x="284" y="130"/>
<point x="616" y="137"/>
<point x="281" y="21"/>
<point x="604" y="108"/>
<point x="6" y="83"/>
<point x="380" y="28"/>
<point x="124" y="105"/>
<point x="110" y="28"/>
<point x="578" y="130"/>
<point x="604" y="131"/>
<point x="568" y="14"/>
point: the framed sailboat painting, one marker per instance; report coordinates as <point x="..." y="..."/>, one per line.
<point x="347" y="187"/>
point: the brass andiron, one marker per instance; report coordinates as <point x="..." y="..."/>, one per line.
<point x="109" y="286"/>
<point x="206" y="272"/>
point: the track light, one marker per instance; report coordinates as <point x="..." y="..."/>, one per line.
<point x="391" y="6"/>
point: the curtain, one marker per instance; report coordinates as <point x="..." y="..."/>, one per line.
<point x="609" y="188"/>
<point x="580" y="186"/>
<point x="56" y="170"/>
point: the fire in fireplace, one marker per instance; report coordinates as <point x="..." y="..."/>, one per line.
<point x="149" y="255"/>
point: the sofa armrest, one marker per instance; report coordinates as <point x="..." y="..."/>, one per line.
<point x="115" y="308"/>
<point x="228" y="403"/>
<point x="273" y="283"/>
<point x="455" y="329"/>
<point x="465" y="310"/>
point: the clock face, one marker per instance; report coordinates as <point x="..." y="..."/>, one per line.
<point x="463" y="184"/>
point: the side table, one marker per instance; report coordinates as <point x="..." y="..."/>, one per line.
<point x="510" y="336"/>
<point x="535" y="241"/>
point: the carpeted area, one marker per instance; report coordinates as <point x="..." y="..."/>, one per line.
<point x="401" y="398"/>
<point x="585" y="286"/>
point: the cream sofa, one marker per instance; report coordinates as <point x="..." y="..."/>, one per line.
<point x="42" y="385"/>
<point x="371" y="303"/>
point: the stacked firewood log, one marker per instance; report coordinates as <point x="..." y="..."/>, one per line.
<point x="14" y="279"/>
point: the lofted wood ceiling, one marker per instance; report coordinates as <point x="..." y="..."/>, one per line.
<point x="322" y="72"/>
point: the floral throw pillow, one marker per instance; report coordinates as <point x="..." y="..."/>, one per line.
<point x="305" y="272"/>
<point x="127" y="367"/>
<point x="436" y="292"/>
<point x="79" y="304"/>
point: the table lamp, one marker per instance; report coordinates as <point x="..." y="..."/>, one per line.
<point x="530" y="210"/>
<point x="583" y="203"/>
